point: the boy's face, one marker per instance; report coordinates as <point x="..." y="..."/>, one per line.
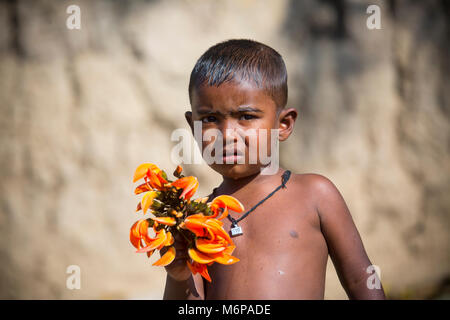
<point x="238" y="107"/>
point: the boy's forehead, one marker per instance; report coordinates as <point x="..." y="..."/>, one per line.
<point x="229" y="95"/>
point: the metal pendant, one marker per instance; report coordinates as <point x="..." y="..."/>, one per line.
<point x="236" y="230"/>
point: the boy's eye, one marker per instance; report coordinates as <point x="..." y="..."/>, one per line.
<point x="247" y="117"/>
<point x="209" y="119"/>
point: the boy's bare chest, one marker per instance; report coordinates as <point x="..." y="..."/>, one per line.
<point x="281" y="239"/>
<point x="273" y="226"/>
<point x="282" y="213"/>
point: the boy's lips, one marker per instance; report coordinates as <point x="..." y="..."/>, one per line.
<point x="233" y="152"/>
<point x="233" y="157"/>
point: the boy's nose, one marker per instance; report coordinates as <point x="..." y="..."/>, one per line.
<point x="231" y="131"/>
<point x="233" y="140"/>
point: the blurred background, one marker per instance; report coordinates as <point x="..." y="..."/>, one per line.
<point x="81" y="109"/>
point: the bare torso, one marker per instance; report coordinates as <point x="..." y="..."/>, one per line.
<point x="283" y="254"/>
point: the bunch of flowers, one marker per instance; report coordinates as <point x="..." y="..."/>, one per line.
<point x="198" y="222"/>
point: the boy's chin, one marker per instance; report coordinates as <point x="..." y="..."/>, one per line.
<point x="236" y="171"/>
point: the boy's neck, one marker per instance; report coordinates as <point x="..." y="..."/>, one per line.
<point x="257" y="180"/>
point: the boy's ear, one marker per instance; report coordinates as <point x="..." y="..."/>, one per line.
<point x="286" y="122"/>
<point x="188" y="116"/>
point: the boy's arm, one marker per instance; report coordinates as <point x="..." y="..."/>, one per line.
<point x="181" y="284"/>
<point x="190" y="289"/>
<point x="175" y="290"/>
<point x="193" y="287"/>
<point x="344" y="242"/>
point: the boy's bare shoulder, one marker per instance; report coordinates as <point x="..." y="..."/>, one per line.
<point x="322" y="194"/>
<point x="315" y="181"/>
<point x="315" y="186"/>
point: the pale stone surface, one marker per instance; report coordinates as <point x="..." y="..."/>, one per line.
<point x="82" y="108"/>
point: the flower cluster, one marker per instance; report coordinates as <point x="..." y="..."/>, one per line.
<point x="198" y="222"/>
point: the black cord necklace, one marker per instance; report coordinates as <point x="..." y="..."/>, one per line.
<point x="235" y="229"/>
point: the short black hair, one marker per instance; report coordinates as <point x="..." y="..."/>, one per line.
<point x="242" y="60"/>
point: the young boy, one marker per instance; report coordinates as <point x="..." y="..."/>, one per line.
<point x="285" y="241"/>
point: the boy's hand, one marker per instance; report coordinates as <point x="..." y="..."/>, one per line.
<point x="181" y="284"/>
<point x="179" y="276"/>
<point x="178" y="269"/>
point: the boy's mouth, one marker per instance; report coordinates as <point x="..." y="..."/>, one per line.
<point x="233" y="157"/>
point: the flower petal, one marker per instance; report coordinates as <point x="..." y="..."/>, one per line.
<point x="228" y="201"/>
<point x="198" y="231"/>
<point x="199" y="227"/>
<point x="141" y="171"/>
<point x="178" y="171"/>
<point x="135" y="241"/>
<point x="137" y="232"/>
<point x="155" y="182"/>
<point x="196" y="267"/>
<point x="225" y="259"/>
<point x="188" y="184"/>
<point x="170" y="239"/>
<point x="191" y="267"/>
<point x="187" y="194"/>
<point x="216" y="227"/>
<point x="167" y="258"/>
<point x="194" y="223"/>
<point x="224" y="214"/>
<point x="142" y="227"/>
<point x="142" y="188"/>
<point x="206" y="246"/>
<point x="204" y="272"/>
<point x="168" y="221"/>
<point x="197" y="216"/>
<point x="199" y="256"/>
<point x="160" y="238"/>
<point x="229" y="250"/>
<point x="147" y="200"/>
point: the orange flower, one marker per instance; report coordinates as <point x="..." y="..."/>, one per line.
<point x="213" y="244"/>
<point x="147" y="200"/>
<point x="142" y="170"/>
<point x="161" y="240"/>
<point x="205" y="258"/>
<point x="155" y="180"/>
<point x="152" y="176"/>
<point x="206" y="227"/>
<point x="196" y="267"/>
<point x="142" y="188"/>
<point x="189" y="186"/>
<point x="208" y="246"/>
<point x="198" y="222"/>
<point x="178" y="171"/>
<point x="155" y="243"/>
<point x="224" y="202"/>
<point x="139" y="232"/>
<point x="167" y="258"/>
<point x="168" y="221"/>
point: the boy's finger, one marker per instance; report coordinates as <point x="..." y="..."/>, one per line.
<point x="192" y="287"/>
